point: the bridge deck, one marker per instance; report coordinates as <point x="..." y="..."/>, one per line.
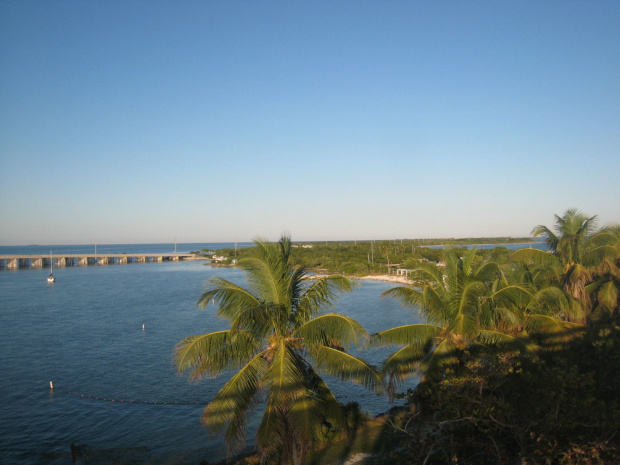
<point x="60" y="260"/>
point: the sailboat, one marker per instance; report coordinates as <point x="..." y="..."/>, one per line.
<point x="50" y="278"/>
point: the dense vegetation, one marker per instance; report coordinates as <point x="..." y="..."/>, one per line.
<point x="361" y="258"/>
<point x="518" y="358"/>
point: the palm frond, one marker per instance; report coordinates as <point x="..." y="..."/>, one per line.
<point x="549" y="326"/>
<point x="511" y="296"/>
<point x="465" y="321"/>
<point x="320" y="295"/>
<point x="230" y="297"/>
<point x="271" y="433"/>
<point x="452" y="257"/>
<point x="504" y="307"/>
<point x="231" y="404"/>
<point x="608" y="294"/>
<point x="501" y="317"/>
<point x="211" y="354"/>
<point x="403" y="364"/>
<point x="600" y="253"/>
<point x="467" y="261"/>
<point x="305" y="419"/>
<point x="407" y="296"/>
<point x="545" y="232"/>
<point x="297" y="285"/>
<point x="463" y="327"/>
<point x="506" y="341"/>
<point x="284" y="379"/>
<point x="427" y="272"/>
<point x="404" y="361"/>
<point x="607" y="237"/>
<point x="285" y="245"/>
<point x="262" y="319"/>
<point x="444" y="354"/>
<point x="293" y="411"/>
<point x="346" y="367"/>
<point x="549" y="301"/>
<point x="486" y="272"/>
<point x="408" y="335"/>
<point x="268" y="278"/>
<point x="470" y="297"/>
<point x="435" y="304"/>
<point x="536" y="257"/>
<point x="329" y="405"/>
<point x="332" y="327"/>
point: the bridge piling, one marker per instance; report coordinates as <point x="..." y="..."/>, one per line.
<point x="14" y="262"/>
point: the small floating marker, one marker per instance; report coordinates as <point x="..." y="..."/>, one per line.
<point x="143" y="327"/>
<point x="51" y="385"/>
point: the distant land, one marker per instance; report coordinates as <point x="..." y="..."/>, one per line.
<point x="366" y="257"/>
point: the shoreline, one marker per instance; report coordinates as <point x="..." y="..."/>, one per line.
<point x="371" y="277"/>
<point x="386" y="278"/>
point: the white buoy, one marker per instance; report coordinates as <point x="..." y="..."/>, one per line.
<point x="51" y="385"/>
<point x="143" y="327"/>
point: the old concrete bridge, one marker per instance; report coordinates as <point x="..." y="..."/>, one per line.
<point x="44" y="261"/>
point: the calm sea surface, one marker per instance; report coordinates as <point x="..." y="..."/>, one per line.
<point x="117" y="248"/>
<point x="85" y="334"/>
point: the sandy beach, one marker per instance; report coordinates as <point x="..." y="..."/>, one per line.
<point x="374" y="277"/>
<point x="384" y="277"/>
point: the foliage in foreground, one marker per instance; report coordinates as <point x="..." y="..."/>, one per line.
<point x="560" y="408"/>
<point x="493" y="408"/>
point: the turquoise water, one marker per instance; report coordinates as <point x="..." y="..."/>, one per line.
<point x="85" y="334"/>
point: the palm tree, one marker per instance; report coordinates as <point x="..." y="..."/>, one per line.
<point x="574" y="229"/>
<point x="571" y="246"/>
<point x="279" y="340"/>
<point x="604" y="290"/>
<point x="546" y="312"/>
<point x="569" y="265"/>
<point x="461" y="308"/>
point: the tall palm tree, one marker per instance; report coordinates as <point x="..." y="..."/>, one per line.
<point x="574" y="230"/>
<point x="461" y="308"/>
<point x="571" y="259"/>
<point x="571" y="245"/>
<point x="279" y="340"/>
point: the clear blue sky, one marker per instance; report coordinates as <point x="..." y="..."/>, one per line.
<point x="142" y="121"/>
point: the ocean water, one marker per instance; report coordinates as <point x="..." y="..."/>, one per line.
<point x="118" y="248"/>
<point x="85" y="333"/>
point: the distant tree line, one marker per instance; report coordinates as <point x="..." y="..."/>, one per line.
<point x="359" y="258"/>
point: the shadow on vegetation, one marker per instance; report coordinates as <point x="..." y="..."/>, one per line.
<point x="559" y="405"/>
<point x="376" y="437"/>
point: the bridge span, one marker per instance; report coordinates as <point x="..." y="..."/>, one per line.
<point x="14" y="262"/>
